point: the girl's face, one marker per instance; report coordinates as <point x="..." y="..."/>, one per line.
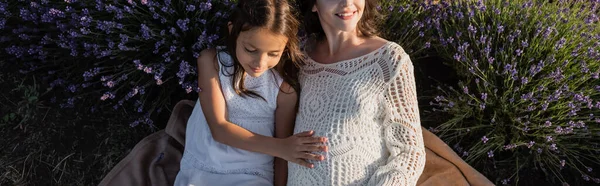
<point x="259" y="50"/>
<point x="340" y="15"/>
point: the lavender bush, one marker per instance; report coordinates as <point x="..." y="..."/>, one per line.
<point x="528" y="100"/>
<point x="137" y="52"/>
<point x="409" y="23"/>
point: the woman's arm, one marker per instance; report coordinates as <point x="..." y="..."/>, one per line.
<point x="402" y="128"/>
<point x="214" y="109"/>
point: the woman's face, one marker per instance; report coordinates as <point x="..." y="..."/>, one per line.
<point x="342" y="15"/>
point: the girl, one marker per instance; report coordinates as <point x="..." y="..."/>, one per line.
<point x="243" y="102"/>
<point x="358" y="90"/>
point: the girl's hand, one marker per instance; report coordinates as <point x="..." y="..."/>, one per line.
<point x="298" y="148"/>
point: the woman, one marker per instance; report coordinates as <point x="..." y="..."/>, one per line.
<point x="358" y="90"/>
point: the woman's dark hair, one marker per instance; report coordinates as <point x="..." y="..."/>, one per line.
<point x="367" y="25"/>
<point x="276" y="16"/>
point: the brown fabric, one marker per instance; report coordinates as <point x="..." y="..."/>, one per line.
<point x="155" y="160"/>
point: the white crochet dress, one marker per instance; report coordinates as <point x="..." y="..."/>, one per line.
<point x="367" y="107"/>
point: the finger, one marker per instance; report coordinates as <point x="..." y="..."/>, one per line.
<point x="309" y="156"/>
<point x="312" y="148"/>
<point x="313" y="140"/>
<point x="305" y="133"/>
<point x="303" y="163"/>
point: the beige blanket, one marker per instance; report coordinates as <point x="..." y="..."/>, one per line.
<point x="155" y="160"/>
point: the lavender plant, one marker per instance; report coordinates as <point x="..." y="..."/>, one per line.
<point x="528" y="99"/>
<point x="409" y="23"/>
<point x="137" y="52"/>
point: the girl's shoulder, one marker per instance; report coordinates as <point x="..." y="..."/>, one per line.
<point x="208" y="59"/>
<point x="214" y="57"/>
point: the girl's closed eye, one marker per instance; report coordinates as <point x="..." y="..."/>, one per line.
<point x="250" y="51"/>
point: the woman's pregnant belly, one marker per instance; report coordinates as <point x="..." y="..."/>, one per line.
<point x="351" y="160"/>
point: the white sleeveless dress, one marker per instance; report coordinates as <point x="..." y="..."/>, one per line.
<point x="208" y="162"/>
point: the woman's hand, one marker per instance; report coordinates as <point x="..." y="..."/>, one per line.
<point x="299" y="147"/>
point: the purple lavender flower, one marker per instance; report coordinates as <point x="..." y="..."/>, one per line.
<point x="560" y="44"/>
<point x="510" y="146"/>
<point x="205" y="6"/>
<point x="548" y="31"/>
<point x="505" y="181"/>
<point x="439" y="98"/>
<point x="27" y="15"/>
<point x="450" y="40"/>
<point x="519" y="52"/>
<point x="553" y="147"/>
<point x="547" y="124"/>
<point x="490" y="154"/>
<point x="558" y="130"/>
<point x="172" y="31"/>
<point x="472" y="30"/>
<point x="484" y="139"/>
<point x="526" y="97"/>
<point x="484" y="96"/>
<point x="549" y="138"/>
<point x="69" y="104"/>
<point x="530" y="144"/>
<point x="596" y="75"/>
<point x="457" y="57"/>
<point x="3" y="6"/>
<point x="524" y="44"/>
<point x="72" y="88"/>
<point x="524" y="80"/>
<point x="107" y="26"/>
<point x="107" y="95"/>
<point x="190" y="8"/>
<point x="145" y="31"/>
<point x="585" y="177"/>
<point x="183" y="24"/>
<point x="562" y="163"/>
<point x="530" y="108"/>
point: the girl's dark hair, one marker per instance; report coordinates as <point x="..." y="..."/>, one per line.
<point x="276" y="16"/>
<point x="367" y="25"/>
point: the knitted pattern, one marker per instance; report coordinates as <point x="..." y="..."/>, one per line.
<point x="367" y="108"/>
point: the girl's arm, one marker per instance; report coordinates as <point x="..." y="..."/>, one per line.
<point x="214" y="109"/>
<point x="285" y="117"/>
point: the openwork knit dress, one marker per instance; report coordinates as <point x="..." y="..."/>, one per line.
<point x="367" y="108"/>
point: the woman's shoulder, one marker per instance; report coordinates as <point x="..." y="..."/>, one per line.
<point x="386" y="48"/>
<point x="396" y="58"/>
<point x="392" y="46"/>
<point x="394" y="52"/>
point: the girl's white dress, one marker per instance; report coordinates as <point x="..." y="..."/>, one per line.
<point x="208" y="162"/>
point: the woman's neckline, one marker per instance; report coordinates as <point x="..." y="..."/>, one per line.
<point x="351" y="59"/>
